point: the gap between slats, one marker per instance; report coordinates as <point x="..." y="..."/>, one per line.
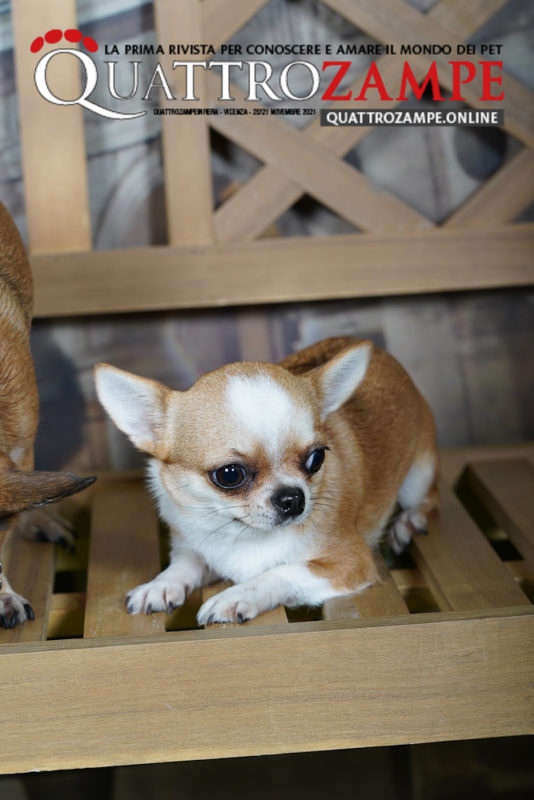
<point x="459" y="565"/>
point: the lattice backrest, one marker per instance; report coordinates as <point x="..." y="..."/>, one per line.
<point x="213" y="257"/>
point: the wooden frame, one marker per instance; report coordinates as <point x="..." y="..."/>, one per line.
<point x="372" y="671"/>
<point x="399" y="250"/>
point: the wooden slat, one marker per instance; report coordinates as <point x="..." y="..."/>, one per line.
<point x="396" y="21"/>
<point x="503" y="197"/>
<point x="276" y="616"/>
<point x="454" y="460"/>
<point x="29" y="567"/>
<point x="222" y="19"/>
<point x="459" y="565"/>
<point x="250" y="691"/>
<point x="53" y="146"/>
<point x="269" y="193"/>
<point x="506" y="489"/>
<point x="283" y="270"/>
<point x="331" y="181"/>
<point x="124" y="552"/>
<point x="381" y="600"/>
<point x="186" y="147"/>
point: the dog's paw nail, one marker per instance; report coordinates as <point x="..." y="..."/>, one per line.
<point x="211" y="619"/>
<point x="29" y="611"/>
<point x="241" y="619"/>
<point x="149" y="608"/>
<point x="170" y="608"/>
<point x="130" y="609"/>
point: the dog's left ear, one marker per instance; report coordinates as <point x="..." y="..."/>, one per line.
<point x="20" y="491"/>
<point x="339" y="378"/>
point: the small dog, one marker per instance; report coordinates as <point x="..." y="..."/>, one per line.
<point x="279" y="477"/>
<point x="22" y="488"/>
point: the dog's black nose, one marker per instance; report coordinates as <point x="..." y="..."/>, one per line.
<point x="289" y="501"/>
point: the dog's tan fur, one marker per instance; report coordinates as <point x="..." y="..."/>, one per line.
<point x="21" y="488"/>
<point x="378" y="432"/>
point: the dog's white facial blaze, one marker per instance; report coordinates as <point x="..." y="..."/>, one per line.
<point x="268" y="415"/>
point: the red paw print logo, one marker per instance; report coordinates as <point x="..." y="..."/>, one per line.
<point x="71" y="35"/>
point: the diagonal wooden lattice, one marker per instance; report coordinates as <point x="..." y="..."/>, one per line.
<point x="212" y="257"/>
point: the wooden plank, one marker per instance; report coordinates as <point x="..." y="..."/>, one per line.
<point x="304" y="687"/>
<point x="315" y="169"/>
<point x="29" y="567"/>
<point x="506" y="490"/>
<point x="52" y="137"/>
<point x="269" y="193"/>
<point x="503" y="197"/>
<point x="264" y="197"/>
<point x="124" y="552"/>
<point x="454" y="460"/>
<point x="221" y="20"/>
<point x="276" y="616"/>
<point x="185" y="139"/>
<point x="396" y="21"/>
<point x="381" y="600"/>
<point x="283" y="270"/>
<point x="459" y="565"/>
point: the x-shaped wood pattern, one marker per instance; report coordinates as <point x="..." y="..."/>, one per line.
<point x="311" y="160"/>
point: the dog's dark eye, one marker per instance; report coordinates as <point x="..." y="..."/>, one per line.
<point x="231" y="476"/>
<point x="314" y="462"/>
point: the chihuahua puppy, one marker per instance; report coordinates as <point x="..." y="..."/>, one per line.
<point x="21" y="488"/>
<point x="279" y="477"/>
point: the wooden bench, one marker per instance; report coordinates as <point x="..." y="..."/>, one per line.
<point x="442" y="648"/>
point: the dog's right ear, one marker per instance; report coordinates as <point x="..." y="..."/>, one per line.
<point x="138" y="406"/>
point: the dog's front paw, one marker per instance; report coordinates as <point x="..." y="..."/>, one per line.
<point x="404" y="528"/>
<point x="45" y="525"/>
<point x="236" y="604"/>
<point x="14" y="609"/>
<point x="156" y="595"/>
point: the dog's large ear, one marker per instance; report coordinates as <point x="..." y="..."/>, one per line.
<point x="338" y="379"/>
<point x="22" y="490"/>
<point x="136" y="405"/>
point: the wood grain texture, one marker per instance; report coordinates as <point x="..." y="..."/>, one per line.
<point x="254" y="691"/>
<point x="282" y="270"/>
<point x="269" y="192"/>
<point x="52" y="137"/>
<point x="502" y="198"/>
<point x="124" y="552"/>
<point x="29" y="567"/>
<point x="221" y="20"/>
<point x="453" y="460"/>
<point x="315" y="169"/>
<point x="185" y="139"/>
<point x="459" y="565"/>
<point x="381" y="600"/>
<point x="506" y="489"/>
